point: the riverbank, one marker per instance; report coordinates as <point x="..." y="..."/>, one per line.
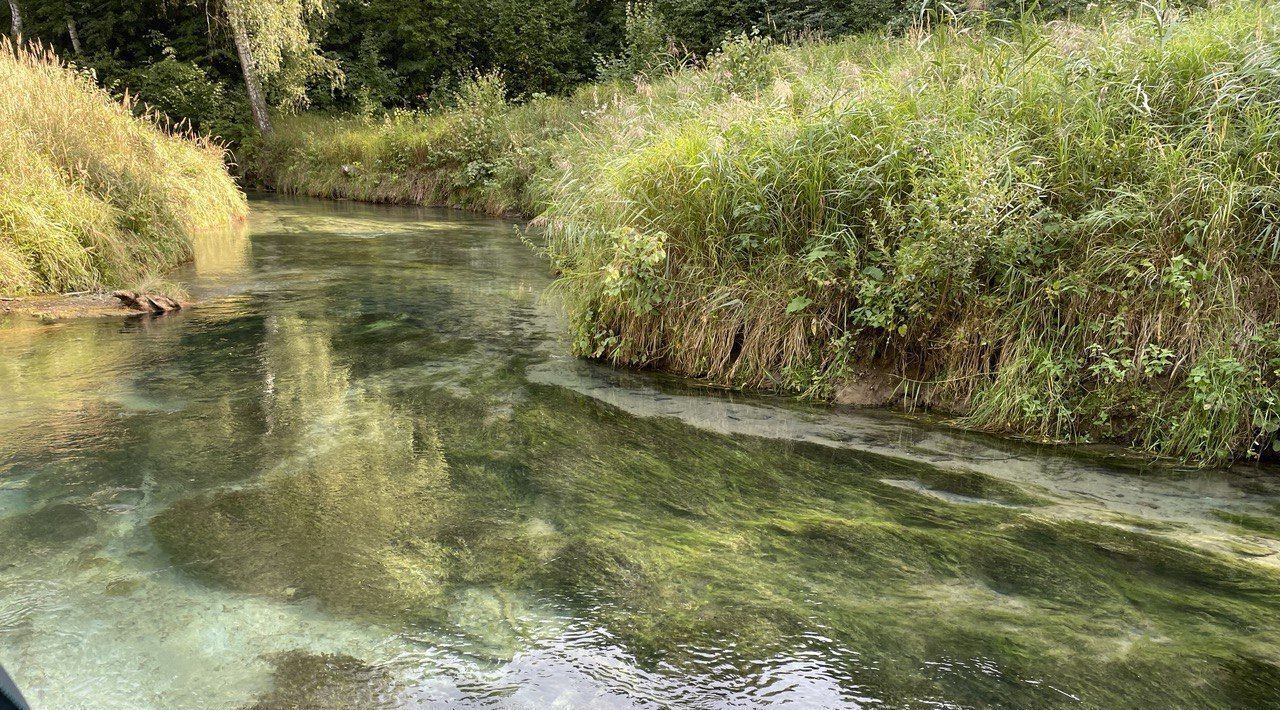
<point x="485" y="156"/>
<point x="93" y="304"/>
<point x="1062" y="231"/>
<point x="93" y="197"/>
<point x="65" y="306"/>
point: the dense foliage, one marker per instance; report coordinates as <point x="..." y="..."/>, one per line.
<point x="1068" y="231"/>
<point x="91" y="195"/>
<point x="178" y="56"/>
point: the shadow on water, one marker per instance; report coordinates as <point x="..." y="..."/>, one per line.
<point x="362" y="474"/>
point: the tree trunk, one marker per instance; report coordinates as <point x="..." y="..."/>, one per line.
<point x="16" y="14"/>
<point x="257" y="101"/>
<point x="75" y="36"/>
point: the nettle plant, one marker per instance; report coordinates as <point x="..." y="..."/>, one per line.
<point x="634" y="275"/>
<point x="744" y="64"/>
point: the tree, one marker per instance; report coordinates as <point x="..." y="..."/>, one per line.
<point x="276" y="50"/>
<point x="72" y="32"/>
<point x="15" y="15"/>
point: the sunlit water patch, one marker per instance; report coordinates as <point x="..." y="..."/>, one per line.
<point x="363" y="473"/>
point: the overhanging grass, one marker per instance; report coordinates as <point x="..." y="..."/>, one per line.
<point x="90" y="195"/>
<point x="1063" y="230"/>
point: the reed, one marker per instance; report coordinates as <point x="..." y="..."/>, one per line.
<point x="92" y="195"/>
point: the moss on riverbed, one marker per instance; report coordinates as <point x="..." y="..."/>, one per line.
<point x="684" y="543"/>
<point x="691" y="536"/>
<point x="317" y="681"/>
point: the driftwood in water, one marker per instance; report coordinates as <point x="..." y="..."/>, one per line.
<point x="147" y="302"/>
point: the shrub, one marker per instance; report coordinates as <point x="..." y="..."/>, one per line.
<point x="185" y="94"/>
<point x="648" y="50"/>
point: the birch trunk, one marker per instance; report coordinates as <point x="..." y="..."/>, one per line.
<point x="257" y="101"/>
<point x="16" y="14"/>
<point x="71" y="32"/>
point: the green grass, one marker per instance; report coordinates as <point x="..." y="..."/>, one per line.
<point x="478" y="156"/>
<point x="90" y="195"/>
<point x="1064" y="230"/>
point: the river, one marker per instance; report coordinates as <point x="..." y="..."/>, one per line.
<point x="364" y="472"/>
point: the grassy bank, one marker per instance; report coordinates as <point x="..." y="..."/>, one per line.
<point x="90" y="195"/>
<point x="481" y="155"/>
<point x="1067" y="231"/>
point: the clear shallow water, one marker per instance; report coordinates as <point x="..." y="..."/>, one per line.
<point x="365" y="474"/>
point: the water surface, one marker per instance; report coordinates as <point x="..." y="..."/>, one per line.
<point x="364" y="473"/>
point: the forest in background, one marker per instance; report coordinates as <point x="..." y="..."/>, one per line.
<point x="366" y="56"/>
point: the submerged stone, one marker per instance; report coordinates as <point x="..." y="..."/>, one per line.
<point x="325" y="681"/>
<point x="55" y="524"/>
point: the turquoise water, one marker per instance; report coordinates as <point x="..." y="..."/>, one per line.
<point x="365" y="473"/>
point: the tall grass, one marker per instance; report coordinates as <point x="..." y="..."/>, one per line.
<point x="1068" y="230"/>
<point x="479" y="154"/>
<point x="90" y="195"/>
<point x="1065" y="230"/>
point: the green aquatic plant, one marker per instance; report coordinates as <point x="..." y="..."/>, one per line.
<point x="325" y="682"/>
<point x="679" y="541"/>
<point x="741" y="537"/>
<point x="348" y="516"/>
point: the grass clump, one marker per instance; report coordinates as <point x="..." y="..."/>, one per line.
<point x="1065" y="230"/>
<point x="90" y="195"/>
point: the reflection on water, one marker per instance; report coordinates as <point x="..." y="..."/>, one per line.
<point x="362" y="474"/>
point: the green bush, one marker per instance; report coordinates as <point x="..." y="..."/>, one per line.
<point x="648" y="50"/>
<point x="187" y="96"/>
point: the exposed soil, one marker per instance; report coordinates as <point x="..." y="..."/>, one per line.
<point x="876" y="384"/>
<point x="869" y="386"/>
<point x="94" y="304"/>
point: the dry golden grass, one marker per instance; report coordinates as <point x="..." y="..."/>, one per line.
<point x="91" y="195"/>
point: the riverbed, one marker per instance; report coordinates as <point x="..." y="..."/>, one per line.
<point x="366" y="472"/>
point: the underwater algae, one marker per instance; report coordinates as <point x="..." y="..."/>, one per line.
<point x="696" y="549"/>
